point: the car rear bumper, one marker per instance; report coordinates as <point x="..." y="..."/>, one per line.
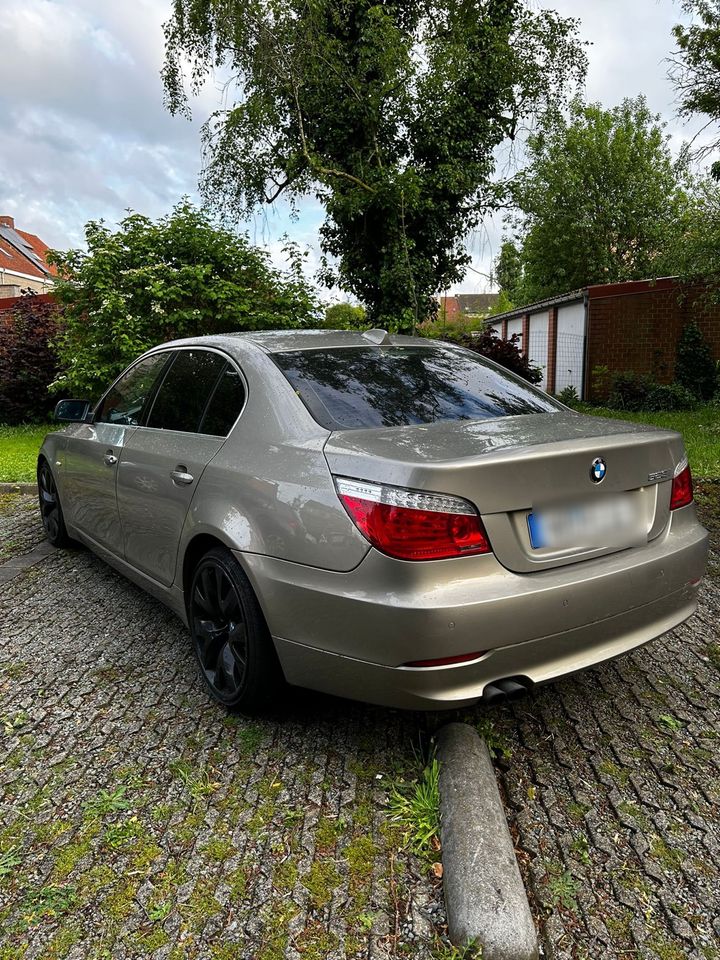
<point x="352" y="633"/>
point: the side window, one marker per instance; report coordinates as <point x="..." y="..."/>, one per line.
<point x="183" y="395"/>
<point x="125" y="401"/>
<point x="225" y="404"/>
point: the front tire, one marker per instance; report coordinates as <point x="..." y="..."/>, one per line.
<point x="230" y="637"/>
<point x="50" y="509"/>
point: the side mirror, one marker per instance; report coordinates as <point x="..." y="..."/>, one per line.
<point x="72" y="411"/>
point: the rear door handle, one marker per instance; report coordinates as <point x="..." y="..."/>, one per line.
<point x="109" y="459"/>
<point x="181" y="476"/>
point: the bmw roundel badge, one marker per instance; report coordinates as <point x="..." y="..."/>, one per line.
<point x="598" y="469"/>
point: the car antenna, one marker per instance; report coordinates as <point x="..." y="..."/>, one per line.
<point x="377" y="336"/>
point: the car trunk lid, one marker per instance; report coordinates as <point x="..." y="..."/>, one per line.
<point x="511" y="466"/>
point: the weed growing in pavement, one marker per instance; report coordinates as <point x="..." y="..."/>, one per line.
<point x="564" y="890"/>
<point x="107" y="801"/>
<point x="495" y="742"/>
<point x="447" y="951"/>
<point x="416" y="806"/>
<point x="9" y="859"/>
<point x="671" y="723"/>
<point x="197" y="782"/>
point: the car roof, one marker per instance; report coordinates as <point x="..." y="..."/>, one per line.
<point x="279" y="341"/>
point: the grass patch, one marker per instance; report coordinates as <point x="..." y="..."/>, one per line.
<point x="19" y="447"/>
<point x="700" y="429"/>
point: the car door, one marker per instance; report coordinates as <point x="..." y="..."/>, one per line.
<point x="94" y="449"/>
<point x="163" y="460"/>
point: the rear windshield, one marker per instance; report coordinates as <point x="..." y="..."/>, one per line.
<point x="355" y="387"/>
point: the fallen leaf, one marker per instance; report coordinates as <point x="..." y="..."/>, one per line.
<point x="437" y="869"/>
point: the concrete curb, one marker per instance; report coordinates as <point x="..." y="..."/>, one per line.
<point x="18" y="488"/>
<point x="484" y="893"/>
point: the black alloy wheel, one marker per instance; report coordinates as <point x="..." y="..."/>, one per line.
<point x="50" y="509"/>
<point x="230" y="638"/>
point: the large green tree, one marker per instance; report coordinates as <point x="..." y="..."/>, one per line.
<point x="389" y="113"/>
<point x="599" y="201"/>
<point x="151" y="281"/>
<point x="695" y="68"/>
<point x="509" y="272"/>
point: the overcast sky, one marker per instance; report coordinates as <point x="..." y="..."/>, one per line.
<point x="84" y="134"/>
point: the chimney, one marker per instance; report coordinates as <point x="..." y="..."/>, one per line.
<point x="7" y="222"/>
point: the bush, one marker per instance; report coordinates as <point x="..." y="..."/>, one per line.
<point x="633" y="391"/>
<point x="630" y="391"/>
<point x="28" y="364"/>
<point x="151" y="281"/>
<point x="670" y="396"/>
<point x="569" y="396"/>
<point x="694" y="364"/>
<point x="344" y="316"/>
<point x="505" y="352"/>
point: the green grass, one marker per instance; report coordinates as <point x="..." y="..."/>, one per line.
<point x="700" y="428"/>
<point x="19" y="448"/>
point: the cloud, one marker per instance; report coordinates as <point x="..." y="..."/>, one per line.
<point x="85" y="134"/>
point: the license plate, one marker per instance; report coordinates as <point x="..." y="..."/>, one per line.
<point x="609" y="521"/>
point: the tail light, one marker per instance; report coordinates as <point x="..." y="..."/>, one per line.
<point x="682" y="486"/>
<point x="411" y="525"/>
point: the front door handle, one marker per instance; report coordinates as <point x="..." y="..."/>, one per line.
<point x="181" y="475"/>
<point x="109" y="459"/>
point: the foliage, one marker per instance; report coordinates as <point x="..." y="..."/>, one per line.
<point x="694" y="253"/>
<point x="695" y="68"/>
<point x="634" y="391"/>
<point x="28" y="363"/>
<point x="344" y="316"/>
<point x="416" y="807"/>
<point x="694" y="363"/>
<point x="569" y="396"/>
<point x="501" y="305"/>
<point x="152" y="281"/>
<point x="599" y="201"/>
<point x="388" y="114"/>
<point x="508" y="272"/>
<point x="505" y="352"/>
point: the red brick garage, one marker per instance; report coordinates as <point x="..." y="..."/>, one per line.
<point x="622" y="326"/>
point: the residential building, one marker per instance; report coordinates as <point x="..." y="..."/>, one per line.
<point x="23" y="263"/>
<point x="466" y="305"/>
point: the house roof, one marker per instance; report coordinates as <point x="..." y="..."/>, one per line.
<point x="22" y="252"/>
<point x="473" y="302"/>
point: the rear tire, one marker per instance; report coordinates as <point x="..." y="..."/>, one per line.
<point x="50" y="509"/>
<point x="231" y="640"/>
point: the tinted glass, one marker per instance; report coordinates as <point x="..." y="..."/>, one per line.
<point x="225" y="404"/>
<point x="125" y="401"/>
<point x="358" y="387"/>
<point x="185" y="391"/>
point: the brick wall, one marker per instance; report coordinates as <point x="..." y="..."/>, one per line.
<point x="639" y="330"/>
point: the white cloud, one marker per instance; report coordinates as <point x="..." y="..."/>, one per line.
<point x="85" y="134"/>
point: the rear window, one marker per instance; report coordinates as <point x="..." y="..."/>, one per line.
<point x="356" y="387"/>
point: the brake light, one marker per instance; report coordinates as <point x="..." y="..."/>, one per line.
<point x="410" y="525"/>
<point x="682" y="486"/>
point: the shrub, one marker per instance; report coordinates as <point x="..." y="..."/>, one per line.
<point x="630" y="391"/>
<point x="151" y="281"/>
<point x="569" y="396"/>
<point x="344" y="316"/>
<point x="694" y="364"/>
<point x="505" y="352"/>
<point x="28" y="364"/>
<point x="670" y="396"/>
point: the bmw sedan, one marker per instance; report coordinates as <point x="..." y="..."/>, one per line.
<point x="385" y="518"/>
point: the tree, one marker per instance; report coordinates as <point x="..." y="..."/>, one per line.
<point x="344" y="316"/>
<point x="508" y="273"/>
<point x="695" y="68"/>
<point x="388" y="113"/>
<point x="600" y="199"/>
<point x="28" y="363"/>
<point x="151" y="281"/>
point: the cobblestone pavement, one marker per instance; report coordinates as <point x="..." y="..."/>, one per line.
<point x="138" y="819"/>
<point x="141" y="821"/>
